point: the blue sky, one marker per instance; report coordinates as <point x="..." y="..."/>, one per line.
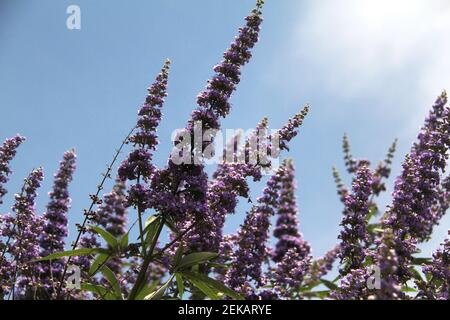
<point x="368" y="68"/>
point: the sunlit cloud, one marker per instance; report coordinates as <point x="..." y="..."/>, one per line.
<point x="378" y="49"/>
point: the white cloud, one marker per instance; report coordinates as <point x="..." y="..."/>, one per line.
<point x="374" y="48"/>
<point x="393" y="52"/>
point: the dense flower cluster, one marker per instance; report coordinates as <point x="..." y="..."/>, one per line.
<point x="55" y="230"/>
<point x="321" y="266"/>
<point x="7" y="153"/>
<point x="138" y="166"/>
<point x="185" y="186"/>
<point x="287" y="226"/>
<point x="23" y="230"/>
<point x="417" y="190"/>
<point x="354" y="235"/>
<point x="112" y="215"/>
<point x="438" y="273"/>
<point x="251" y="251"/>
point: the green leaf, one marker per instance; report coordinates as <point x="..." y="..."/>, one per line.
<point x="330" y="285"/>
<point x="218" y="289"/>
<point x="148" y="224"/>
<point x="124" y="241"/>
<point x="145" y="291"/>
<point x="71" y="253"/>
<point x="149" y="221"/>
<point x="415" y="274"/>
<point x="109" y="275"/>
<point x="195" y="259"/>
<point x="317" y="294"/>
<point x="151" y="230"/>
<point x="100" y="291"/>
<point x="158" y="294"/>
<point x="408" y="289"/>
<point x="420" y="261"/>
<point x="178" y="256"/>
<point x="109" y="238"/>
<point x="372" y="211"/>
<point x="219" y="265"/>
<point x="207" y="290"/>
<point x="99" y="261"/>
<point x="180" y="284"/>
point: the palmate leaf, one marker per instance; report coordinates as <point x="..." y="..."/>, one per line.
<point x="212" y="288"/>
<point x="72" y="253"/>
<point x="195" y="259"/>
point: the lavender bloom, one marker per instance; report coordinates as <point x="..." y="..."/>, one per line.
<point x="354" y="236"/>
<point x="387" y="260"/>
<point x="112" y="215"/>
<point x="342" y="190"/>
<point x="230" y="181"/>
<point x="362" y="283"/>
<point x="321" y="266"/>
<point x="138" y="165"/>
<point x="383" y="170"/>
<point x="214" y="100"/>
<point x="292" y="253"/>
<point x="55" y="220"/>
<point x="412" y="215"/>
<point x="288" y="132"/>
<point x="289" y="273"/>
<point x="27" y="227"/>
<point x="7" y="270"/>
<point x="350" y="162"/>
<point x="181" y="190"/>
<point x="251" y="249"/>
<point x="7" y="153"/>
<point x="88" y="240"/>
<point x="287" y="225"/>
<point x="438" y="272"/>
<point x="353" y="286"/>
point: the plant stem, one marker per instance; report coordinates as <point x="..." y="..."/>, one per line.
<point x="142" y="275"/>
<point x="89" y="211"/>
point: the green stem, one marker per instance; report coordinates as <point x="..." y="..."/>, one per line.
<point x="142" y="276"/>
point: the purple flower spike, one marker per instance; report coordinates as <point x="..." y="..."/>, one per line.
<point x="24" y="230"/>
<point x="55" y="219"/>
<point x="251" y="249"/>
<point x="7" y="153"/>
<point x="287" y="226"/>
<point x="138" y="165"/>
<point x="354" y="235"/>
